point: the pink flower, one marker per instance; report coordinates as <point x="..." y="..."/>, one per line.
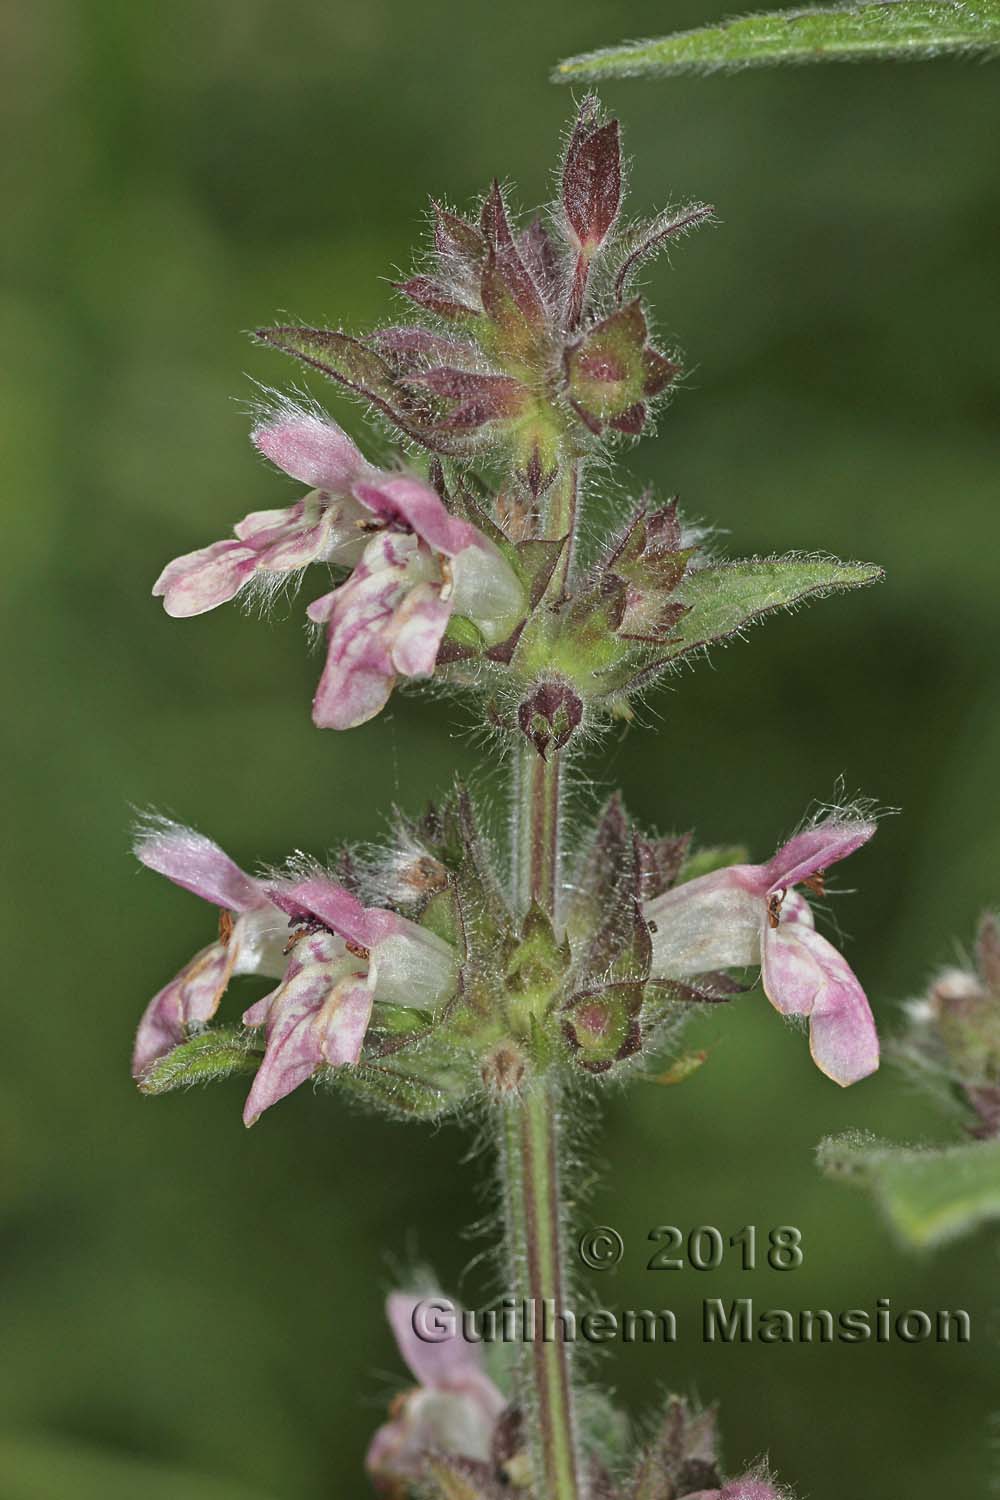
<point x="345" y="958"/>
<point x="751" y="914"/>
<point x="325" y="526"/>
<point x="388" y="620"/>
<point x="415" y="565"/>
<point x="252" y="931"/>
<point x="453" y="1409"/>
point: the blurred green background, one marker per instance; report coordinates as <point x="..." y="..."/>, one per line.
<point x="194" y="1311"/>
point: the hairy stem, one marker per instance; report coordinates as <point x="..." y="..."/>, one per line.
<point x="537" y="828"/>
<point x="530" y="1153"/>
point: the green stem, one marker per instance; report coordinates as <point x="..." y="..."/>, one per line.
<point x="531" y="1128"/>
<point x="531" y="1132"/>
<point x="537" y="828"/>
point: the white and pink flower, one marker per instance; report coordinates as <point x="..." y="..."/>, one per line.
<point x="414" y="566"/>
<point x="752" y="914"/>
<point x="389" y="618"/>
<point x="341" y="958"/>
<point x="325" y="526"/>
<point x="453" y="1409"/>
<point x="345" y="957"/>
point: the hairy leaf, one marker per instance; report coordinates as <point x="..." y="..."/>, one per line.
<point x="344" y="359"/>
<point x="722" y="600"/>
<point x="890" y="29"/>
<point x="928" y="1195"/>
<point x="360" y="369"/>
<point x="406" y="1094"/>
<point x="202" y="1059"/>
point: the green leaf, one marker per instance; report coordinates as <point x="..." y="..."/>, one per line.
<point x="399" y="1020"/>
<point x="405" y="1094"/>
<point x="465" y="633"/>
<point x="338" y="356"/>
<point x="723" y="599"/>
<point x="928" y="1195"/>
<point x="890" y="29"/>
<point x="358" y="368"/>
<point x="202" y="1059"/>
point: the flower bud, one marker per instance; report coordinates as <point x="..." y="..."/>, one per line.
<point x="602" y="1027"/>
<point x="502" y="1070"/>
<point x="956" y="1030"/>
<point x="681" y="1459"/>
<point x="549" y="715"/>
<point x="592" y="179"/>
<point x="614" y="370"/>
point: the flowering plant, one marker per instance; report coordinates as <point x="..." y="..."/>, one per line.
<point x="445" y="976"/>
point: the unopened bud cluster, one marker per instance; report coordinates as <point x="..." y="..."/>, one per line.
<point x="954" y="1032"/>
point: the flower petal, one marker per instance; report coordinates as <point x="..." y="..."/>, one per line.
<point x="318" y="1016"/>
<point x="795" y="908"/>
<point x="454" y="1409"/>
<point x="365" y="614"/>
<point x="354" y="687"/>
<point x="412" y="966"/>
<point x="430" y="1421"/>
<point x="454" y="1363"/>
<point x="289" y="538"/>
<point x="311" y="449"/>
<point x="487" y="590"/>
<point x="711" y="922"/>
<point x="190" y="999"/>
<point x="336" y="908"/>
<point x="202" y="580"/>
<point x="199" y="865"/>
<point x="259" y="937"/>
<point x="409" y="964"/>
<point x="418" y="627"/>
<point x="815" y="849"/>
<point x="417" y="506"/>
<point x="805" y="975"/>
